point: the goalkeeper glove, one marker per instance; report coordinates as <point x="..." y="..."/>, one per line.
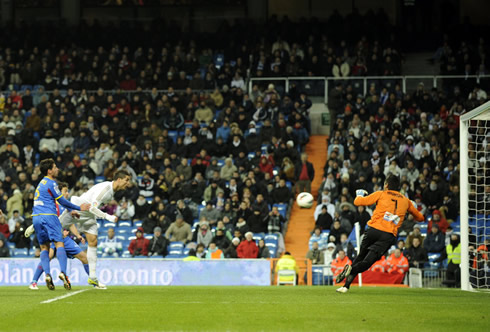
<point x="361" y="192"/>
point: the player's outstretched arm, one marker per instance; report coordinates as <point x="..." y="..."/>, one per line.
<point x="367" y="200"/>
<point x="70" y="206"/>
<point x="100" y="214"/>
<point x="412" y="208"/>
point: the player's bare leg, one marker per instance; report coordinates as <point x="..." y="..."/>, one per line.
<point x="92" y="261"/>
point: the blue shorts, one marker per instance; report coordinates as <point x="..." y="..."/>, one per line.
<point x="71" y="247"/>
<point x="48" y="229"/>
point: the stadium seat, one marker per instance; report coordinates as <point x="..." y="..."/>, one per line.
<point x="126" y="254"/>
<point x="149" y="236"/>
<point x="123" y="230"/>
<point x="137" y="223"/>
<point x="11" y="245"/>
<point x="258" y="236"/>
<point x="20" y="252"/>
<point x="432" y="265"/>
<point x="173" y="134"/>
<point x="109" y="225"/>
<point x="125" y="224"/>
<point x="99" y="179"/>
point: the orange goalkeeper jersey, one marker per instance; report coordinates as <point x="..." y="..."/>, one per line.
<point x="391" y="207"/>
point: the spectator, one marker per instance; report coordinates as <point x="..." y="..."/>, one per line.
<point x="435" y="240"/>
<point x="275" y="221"/>
<point x="110" y="246"/>
<point x="14" y="203"/>
<point x="204" y="234"/>
<point x="339" y="262"/>
<point x="397" y="263"/>
<point x="139" y="246"/>
<point x="328" y="258"/>
<point x="214" y="252"/>
<point x="179" y="231"/>
<point x="209" y="213"/>
<point x="231" y="251"/>
<point x="141" y="208"/>
<point x="346" y="246"/>
<point x="158" y="244"/>
<point x="315" y="255"/>
<point x="227" y="169"/>
<point x="4" y="227"/>
<point x="304" y="174"/>
<point x="281" y="194"/>
<point x="145" y="185"/>
<point x="324" y="220"/>
<point x="414" y="234"/>
<point x="416" y="254"/>
<point x="16" y="218"/>
<point x="200" y="251"/>
<point x="439" y="221"/>
<point x="125" y="210"/>
<point x="248" y="248"/>
<point x="220" y="239"/>
<point x="263" y="250"/>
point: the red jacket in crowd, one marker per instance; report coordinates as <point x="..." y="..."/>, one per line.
<point x="247" y="249"/>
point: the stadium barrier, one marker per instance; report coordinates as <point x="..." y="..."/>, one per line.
<point x="320" y="86"/>
<point x="148" y="272"/>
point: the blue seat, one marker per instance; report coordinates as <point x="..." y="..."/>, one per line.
<point x="99" y="179"/>
<point x="176" y="245"/>
<point x="125" y="223"/>
<point x="20" y="252"/>
<point x="432" y="265"/>
<point x="149" y="236"/>
<point x="221" y="162"/>
<point x="137" y="223"/>
<point x="108" y="225"/>
<point x="258" y="236"/>
<point x="123" y="230"/>
<point x="173" y="134"/>
<point x="126" y="254"/>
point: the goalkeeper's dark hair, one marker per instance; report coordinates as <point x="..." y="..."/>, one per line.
<point x="393" y="182"/>
<point x="45" y="165"/>
<point x="121" y="174"/>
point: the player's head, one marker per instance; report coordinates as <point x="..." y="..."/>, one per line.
<point x="392" y="182"/>
<point x="48" y="168"/>
<point x="121" y="179"/>
<point x="63" y="187"/>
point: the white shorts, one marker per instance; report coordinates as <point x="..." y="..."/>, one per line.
<point x="87" y="222"/>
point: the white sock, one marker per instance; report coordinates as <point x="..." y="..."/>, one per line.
<point x="92" y="261"/>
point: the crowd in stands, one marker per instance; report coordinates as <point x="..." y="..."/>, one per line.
<point x="415" y="136"/>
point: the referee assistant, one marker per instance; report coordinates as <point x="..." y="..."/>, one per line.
<point x="391" y="207"/>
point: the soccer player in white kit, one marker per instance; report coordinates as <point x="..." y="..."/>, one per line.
<point x="101" y="193"/>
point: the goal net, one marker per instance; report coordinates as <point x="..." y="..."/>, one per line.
<point x="475" y="198"/>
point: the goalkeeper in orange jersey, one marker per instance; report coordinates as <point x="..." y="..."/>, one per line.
<point x="391" y="207"/>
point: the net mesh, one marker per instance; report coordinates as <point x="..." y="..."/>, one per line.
<point x="479" y="200"/>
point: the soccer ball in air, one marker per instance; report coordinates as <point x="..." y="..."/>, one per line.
<point x="305" y="200"/>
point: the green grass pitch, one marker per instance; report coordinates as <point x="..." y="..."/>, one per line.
<point x="244" y="309"/>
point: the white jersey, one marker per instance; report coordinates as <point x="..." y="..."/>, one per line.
<point x="101" y="193"/>
<point x="96" y="196"/>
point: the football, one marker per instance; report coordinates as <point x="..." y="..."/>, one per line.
<point x="305" y="200"/>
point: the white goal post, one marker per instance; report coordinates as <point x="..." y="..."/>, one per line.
<point x="474" y="132"/>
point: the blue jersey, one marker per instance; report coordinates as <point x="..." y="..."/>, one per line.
<point x="47" y="193"/>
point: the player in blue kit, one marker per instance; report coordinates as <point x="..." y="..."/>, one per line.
<point x="72" y="251"/>
<point x="46" y="223"/>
